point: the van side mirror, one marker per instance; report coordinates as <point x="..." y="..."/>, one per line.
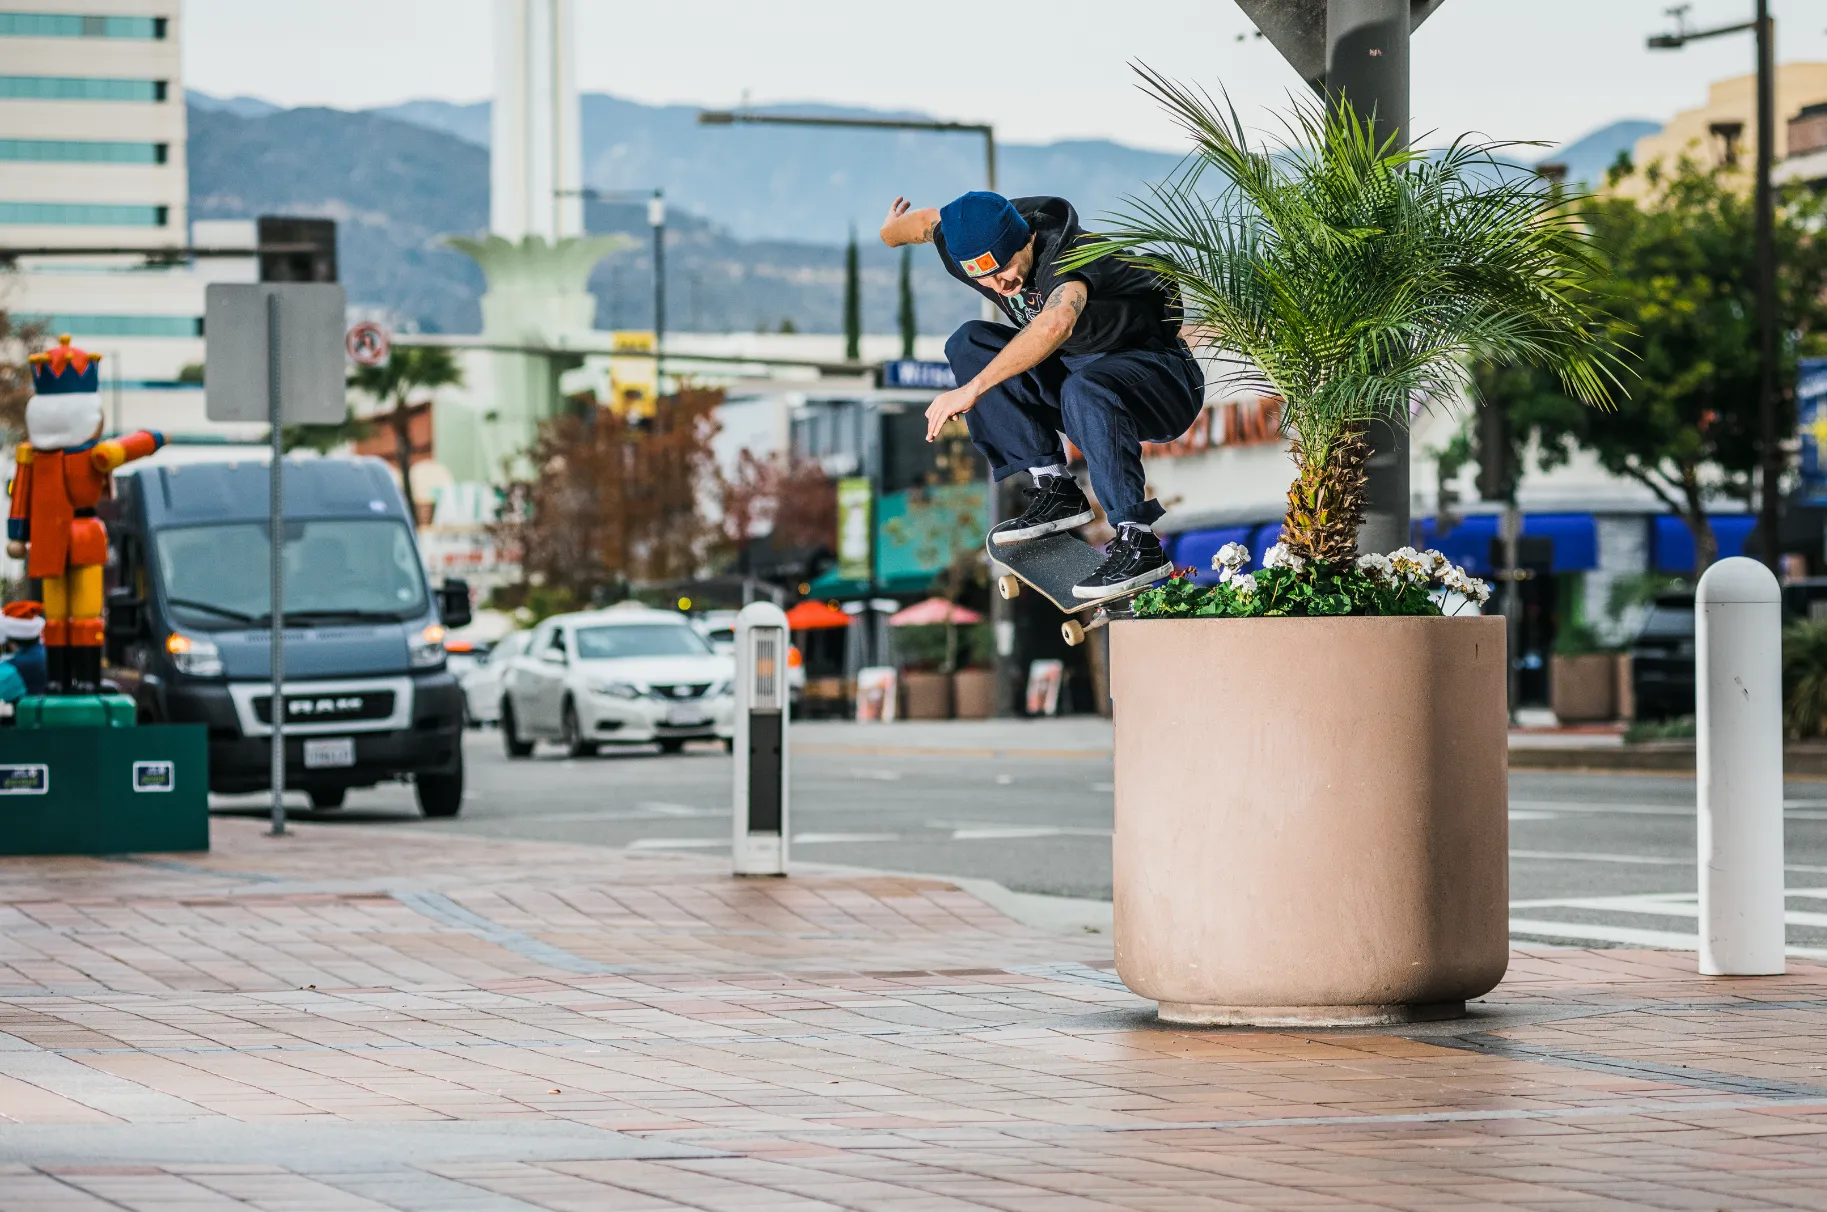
<point x="126" y="615"/>
<point x="453" y="602"/>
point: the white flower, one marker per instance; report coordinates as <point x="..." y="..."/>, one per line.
<point x="1432" y="562"/>
<point x="1376" y="567"/>
<point x="1478" y="591"/>
<point x="1244" y="583"/>
<point x="1281" y="556"/>
<point x="1231" y="555"/>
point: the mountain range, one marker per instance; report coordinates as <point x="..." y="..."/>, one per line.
<point x="756" y="215"/>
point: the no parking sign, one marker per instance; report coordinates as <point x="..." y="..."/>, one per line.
<point x="368" y="344"/>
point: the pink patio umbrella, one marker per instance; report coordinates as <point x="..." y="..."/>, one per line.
<point x="933" y="610"/>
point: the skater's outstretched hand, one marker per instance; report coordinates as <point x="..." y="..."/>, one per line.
<point x="945" y="406"/>
<point x="905" y="225"/>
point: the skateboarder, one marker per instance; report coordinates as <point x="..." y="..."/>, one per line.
<point x="1095" y="352"/>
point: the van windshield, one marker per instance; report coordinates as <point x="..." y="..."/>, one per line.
<point x="338" y="570"/>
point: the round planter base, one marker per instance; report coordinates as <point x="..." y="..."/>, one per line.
<point x="1306" y="1016"/>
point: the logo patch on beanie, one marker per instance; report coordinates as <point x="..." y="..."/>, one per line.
<point x="976" y="267"/>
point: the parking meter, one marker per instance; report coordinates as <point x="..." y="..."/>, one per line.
<point x="759" y="844"/>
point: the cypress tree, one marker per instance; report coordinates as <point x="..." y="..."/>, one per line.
<point x="853" y="303"/>
<point x="910" y="327"/>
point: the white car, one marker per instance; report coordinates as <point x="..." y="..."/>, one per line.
<point x="623" y="676"/>
<point x="482" y="681"/>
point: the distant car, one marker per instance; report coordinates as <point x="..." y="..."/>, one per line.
<point x="1662" y="659"/>
<point x="623" y="676"/>
<point x="719" y="628"/>
<point x="481" y="682"/>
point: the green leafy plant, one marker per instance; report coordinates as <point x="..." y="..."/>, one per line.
<point x="1681" y="728"/>
<point x="1805" y="679"/>
<point x="1354" y="277"/>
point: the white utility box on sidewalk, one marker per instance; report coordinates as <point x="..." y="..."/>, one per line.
<point x="760" y="801"/>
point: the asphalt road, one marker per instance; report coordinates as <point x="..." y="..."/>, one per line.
<point x="1595" y="859"/>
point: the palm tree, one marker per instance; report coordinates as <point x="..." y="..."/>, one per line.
<point x="1354" y="277"/>
<point x="408" y="369"/>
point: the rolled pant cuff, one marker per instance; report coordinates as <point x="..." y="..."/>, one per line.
<point x="1146" y="514"/>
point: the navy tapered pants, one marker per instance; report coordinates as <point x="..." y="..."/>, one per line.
<point x="1108" y="404"/>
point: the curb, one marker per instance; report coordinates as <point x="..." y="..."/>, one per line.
<point x="1800" y="761"/>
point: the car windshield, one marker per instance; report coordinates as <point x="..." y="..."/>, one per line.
<point x="638" y="640"/>
<point x="1667" y="622"/>
<point x="340" y="570"/>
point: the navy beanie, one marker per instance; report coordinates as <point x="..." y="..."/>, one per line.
<point x="982" y="231"/>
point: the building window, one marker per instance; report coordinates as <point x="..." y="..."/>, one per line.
<point x="64" y="25"/>
<point x="79" y="88"/>
<point x="82" y="151"/>
<point x="84" y="214"/>
<point x="117" y="326"/>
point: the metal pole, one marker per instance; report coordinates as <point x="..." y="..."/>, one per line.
<point x="1367" y="64"/>
<point x="1739" y="701"/>
<point x="656" y="218"/>
<point x="276" y="556"/>
<point x="1766" y="288"/>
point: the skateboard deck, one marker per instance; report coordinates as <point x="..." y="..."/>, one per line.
<point x="1051" y="565"/>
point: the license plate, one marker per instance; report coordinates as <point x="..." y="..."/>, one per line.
<point x="325" y="753"/>
<point x="685" y="715"/>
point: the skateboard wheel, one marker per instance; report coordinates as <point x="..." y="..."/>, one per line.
<point x="1073" y="631"/>
<point x="1008" y="586"/>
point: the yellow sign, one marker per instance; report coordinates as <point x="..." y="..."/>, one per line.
<point x="633" y="385"/>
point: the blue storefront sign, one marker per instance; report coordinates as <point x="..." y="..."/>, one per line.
<point x="1811" y="424"/>
<point x="907" y="372"/>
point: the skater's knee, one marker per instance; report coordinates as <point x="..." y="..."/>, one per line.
<point x="973" y="345"/>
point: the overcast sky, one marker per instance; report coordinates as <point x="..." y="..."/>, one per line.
<point x="1513" y="69"/>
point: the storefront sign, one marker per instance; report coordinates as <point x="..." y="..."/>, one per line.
<point x="936" y="376"/>
<point x="854" y="521"/>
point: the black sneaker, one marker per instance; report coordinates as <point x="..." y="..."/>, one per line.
<point x="1132" y="560"/>
<point x="1055" y="503"/>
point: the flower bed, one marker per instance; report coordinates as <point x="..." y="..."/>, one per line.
<point x="1404" y="582"/>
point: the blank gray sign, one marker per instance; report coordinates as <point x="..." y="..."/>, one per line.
<point x="311" y="355"/>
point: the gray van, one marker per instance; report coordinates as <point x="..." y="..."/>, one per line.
<point x="367" y="694"/>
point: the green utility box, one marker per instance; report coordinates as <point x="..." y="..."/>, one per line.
<point x="103" y="790"/>
<point x="74" y="711"/>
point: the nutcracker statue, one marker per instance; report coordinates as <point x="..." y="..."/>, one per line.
<point x="62" y="471"/>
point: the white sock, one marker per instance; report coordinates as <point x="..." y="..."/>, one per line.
<point x="1133" y="527"/>
<point x="1051" y="469"/>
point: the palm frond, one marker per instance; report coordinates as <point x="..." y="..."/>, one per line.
<point x="1355" y="276"/>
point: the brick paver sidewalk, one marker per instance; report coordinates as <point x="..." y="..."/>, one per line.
<point x="369" y="1018"/>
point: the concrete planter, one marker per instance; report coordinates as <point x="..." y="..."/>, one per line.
<point x="1311" y="817"/>
<point x="974" y="693"/>
<point x="925" y="695"/>
<point x="1583" y="689"/>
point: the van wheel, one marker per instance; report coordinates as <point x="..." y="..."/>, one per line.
<point x="441" y="794"/>
<point x="328" y="797"/>
<point x="672" y="746"/>
<point x="572" y="734"/>
<point x="510" y="736"/>
<point x="729" y="744"/>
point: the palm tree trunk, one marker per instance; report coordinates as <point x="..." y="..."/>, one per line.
<point x="1326" y="500"/>
<point x="401" y="421"/>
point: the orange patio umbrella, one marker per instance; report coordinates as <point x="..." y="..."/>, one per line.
<point x="816" y="616"/>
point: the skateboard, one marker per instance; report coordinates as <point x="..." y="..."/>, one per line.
<point x="1051" y="565"/>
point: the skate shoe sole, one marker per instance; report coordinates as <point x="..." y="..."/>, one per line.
<point x="1141" y="580"/>
<point x="1042" y="529"/>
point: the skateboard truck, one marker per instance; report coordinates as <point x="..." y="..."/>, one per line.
<point x="1074" y="632"/>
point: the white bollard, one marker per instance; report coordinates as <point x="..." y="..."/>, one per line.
<point x="759" y="807"/>
<point x="1738" y="686"/>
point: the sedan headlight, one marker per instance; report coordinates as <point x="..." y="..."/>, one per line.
<point x="426" y="650"/>
<point x="617" y="690"/>
<point x="198" y="658"/>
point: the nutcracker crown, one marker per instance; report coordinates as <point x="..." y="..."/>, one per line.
<point x="64" y="368"/>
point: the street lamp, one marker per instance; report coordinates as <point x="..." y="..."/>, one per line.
<point x="1765" y="248"/>
<point x="1001" y="621"/>
<point x="656" y="219"/>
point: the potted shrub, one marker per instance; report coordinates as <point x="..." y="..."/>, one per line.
<point x="974" y="684"/>
<point x="1311" y="758"/>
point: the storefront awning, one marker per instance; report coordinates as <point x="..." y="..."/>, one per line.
<point x="1672" y="544"/>
<point x="1575" y="537"/>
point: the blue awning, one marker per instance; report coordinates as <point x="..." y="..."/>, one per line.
<point x="1265" y="537"/>
<point x="1575" y="535"/>
<point x="1673" y="544"/>
<point x="1468" y="544"/>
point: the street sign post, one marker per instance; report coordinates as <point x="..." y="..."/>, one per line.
<point x="274" y="352"/>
